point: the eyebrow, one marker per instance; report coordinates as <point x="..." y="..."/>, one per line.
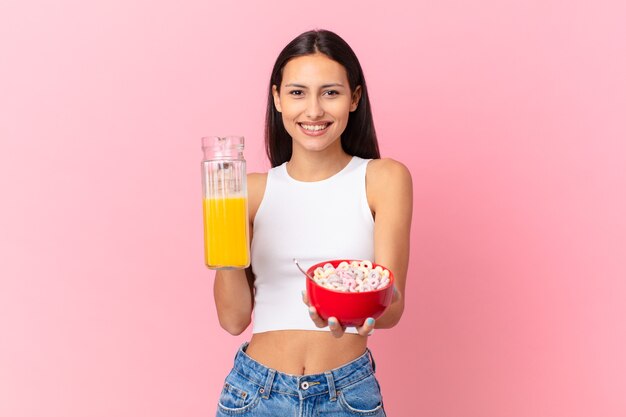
<point x="304" y="86"/>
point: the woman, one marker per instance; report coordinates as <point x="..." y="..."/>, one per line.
<point x="327" y="196"/>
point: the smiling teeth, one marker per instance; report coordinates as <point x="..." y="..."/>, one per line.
<point x="314" y="127"/>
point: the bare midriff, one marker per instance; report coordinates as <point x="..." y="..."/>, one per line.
<point x="304" y="352"/>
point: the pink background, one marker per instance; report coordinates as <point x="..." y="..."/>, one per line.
<point x="510" y="116"/>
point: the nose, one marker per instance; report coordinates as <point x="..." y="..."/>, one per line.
<point x="314" y="108"/>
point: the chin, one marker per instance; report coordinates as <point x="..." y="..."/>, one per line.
<point x="315" y="147"/>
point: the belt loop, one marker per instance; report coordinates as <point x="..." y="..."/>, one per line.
<point x="331" y="385"/>
<point x="369" y="352"/>
<point x="268" y="384"/>
<point x="240" y="351"/>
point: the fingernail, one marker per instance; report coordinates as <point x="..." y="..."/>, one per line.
<point x="332" y="322"/>
<point x="370" y="321"/>
<point x="303" y="292"/>
<point x="311" y="311"/>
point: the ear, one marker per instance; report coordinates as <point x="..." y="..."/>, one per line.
<point x="356" y="97"/>
<point x="276" y="98"/>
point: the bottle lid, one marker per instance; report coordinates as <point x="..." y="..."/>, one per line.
<point x="217" y="147"/>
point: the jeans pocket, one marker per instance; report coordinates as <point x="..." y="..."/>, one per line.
<point x="362" y="398"/>
<point x="238" y="395"/>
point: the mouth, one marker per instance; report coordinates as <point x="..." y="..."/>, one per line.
<point x="314" y="129"/>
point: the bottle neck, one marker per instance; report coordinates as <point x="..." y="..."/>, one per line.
<point x="223" y="155"/>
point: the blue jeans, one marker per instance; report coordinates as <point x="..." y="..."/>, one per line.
<point x="254" y="390"/>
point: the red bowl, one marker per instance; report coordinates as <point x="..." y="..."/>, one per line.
<point x="350" y="308"/>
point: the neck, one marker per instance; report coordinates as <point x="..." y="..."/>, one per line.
<point x="316" y="166"/>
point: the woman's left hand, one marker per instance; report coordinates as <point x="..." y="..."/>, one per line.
<point x="336" y="328"/>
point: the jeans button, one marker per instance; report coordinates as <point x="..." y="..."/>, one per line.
<point x="304" y="385"/>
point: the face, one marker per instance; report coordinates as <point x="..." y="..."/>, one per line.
<point x="315" y="101"/>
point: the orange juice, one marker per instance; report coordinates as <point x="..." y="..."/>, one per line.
<point x="226" y="232"/>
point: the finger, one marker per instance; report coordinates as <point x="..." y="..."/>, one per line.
<point x="319" y="322"/>
<point x="305" y="297"/>
<point x="336" y="329"/>
<point x="367" y="328"/>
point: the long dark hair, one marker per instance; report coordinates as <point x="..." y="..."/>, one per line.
<point x="359" y="137"/>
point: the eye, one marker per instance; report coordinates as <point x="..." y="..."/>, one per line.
<point x="296" y="93"/>
<point x="331" y="93"/>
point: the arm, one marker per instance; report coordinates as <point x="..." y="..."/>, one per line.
<point x="233" y="290"/>
<point x="234" y="299"/>
<point x="390" y="196"/>
<point x="390" y="192"/>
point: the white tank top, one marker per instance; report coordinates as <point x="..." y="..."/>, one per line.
<point x="312" y="222"/>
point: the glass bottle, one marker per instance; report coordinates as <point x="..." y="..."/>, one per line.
<point x="225" y="203"/>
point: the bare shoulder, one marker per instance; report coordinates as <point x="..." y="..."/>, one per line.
<point x="388" y="183"/>
<point x="257" y="179"/>
<point x="256" y="189"/>
<point x="388" y="175"/>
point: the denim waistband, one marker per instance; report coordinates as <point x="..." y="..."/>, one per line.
<point x="328" y="382"/>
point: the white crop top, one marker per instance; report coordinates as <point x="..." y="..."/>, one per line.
<point x="312" y="222"/>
